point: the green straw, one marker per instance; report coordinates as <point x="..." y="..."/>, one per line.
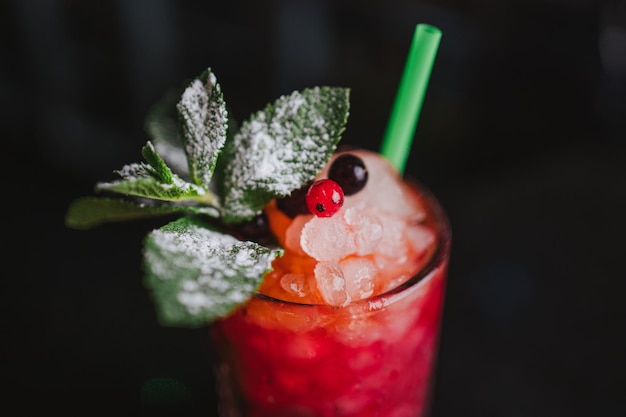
<point x="406" y="109"/>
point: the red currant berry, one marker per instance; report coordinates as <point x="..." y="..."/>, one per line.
<point x="324" y="198"/>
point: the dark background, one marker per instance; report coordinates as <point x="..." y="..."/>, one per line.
<point x="522" y="136"/>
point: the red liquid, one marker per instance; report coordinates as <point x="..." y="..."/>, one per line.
<point x="345" y="362"/>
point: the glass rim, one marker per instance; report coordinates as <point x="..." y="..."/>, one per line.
<point x="438" y="257"/>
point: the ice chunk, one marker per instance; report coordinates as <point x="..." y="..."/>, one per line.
<point x="327" y="238"/>
<point x="367" y="230"/>
<point x="359" y="274"/>
<point x="294" y="284"/>
<point x="331" y="284"/>
<point x="347" y="232"/>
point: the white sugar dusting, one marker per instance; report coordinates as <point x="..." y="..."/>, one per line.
<point x="209" y="261"/>
<point x="280" y="148"/>
<point x="132" y="172"/>
<point x="134" y="178"/>
<point x="271" y="155"/>
<point x="205" y="120"/>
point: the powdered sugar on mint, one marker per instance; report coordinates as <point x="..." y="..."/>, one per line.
<point x="197" y="274"/>
<point x="204" y="121"/>
<point x="281" y="148"/>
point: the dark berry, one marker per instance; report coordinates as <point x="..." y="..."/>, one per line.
<point x="295" y="204"/>
<point x="255" y="228"/>
<point x="349" y="172"/>
<point x="324" y="198"/>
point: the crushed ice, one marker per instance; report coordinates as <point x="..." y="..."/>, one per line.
<point x="376" y="230"/>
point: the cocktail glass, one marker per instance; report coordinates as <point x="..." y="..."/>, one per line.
<point x="373" y="357"/>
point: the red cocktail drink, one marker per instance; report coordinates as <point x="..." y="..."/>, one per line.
<point x="320" y="272"/>
<point x="367" y="357"/>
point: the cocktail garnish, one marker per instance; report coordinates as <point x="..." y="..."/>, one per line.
<point x="217" y="176"/>
<point x="349" y="172"/>
<point x="324" y="198"/>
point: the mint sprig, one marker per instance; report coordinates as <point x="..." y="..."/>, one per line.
<point x="155" y="180"/>
<point x="195" y="271"/>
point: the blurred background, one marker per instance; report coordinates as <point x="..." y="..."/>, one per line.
<point x="522" y="136"/>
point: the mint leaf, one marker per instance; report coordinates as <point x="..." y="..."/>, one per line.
<point x="204" y="122"/>
<point x="88" y="212"/>
<point x="138" y="182"/>
<point x="160" y="170"/>
<point x="196" y="274"/>
<point x="281" y="148"/>
<point x="155" y="180"/>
